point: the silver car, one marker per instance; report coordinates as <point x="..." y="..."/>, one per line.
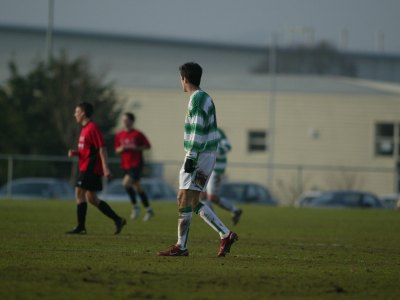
<point x="247" y="192"/>
<point x="37" y="188"/>
<point x="156" y="189"/>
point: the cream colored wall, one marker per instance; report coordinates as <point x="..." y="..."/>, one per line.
<point x="345" y="124"/>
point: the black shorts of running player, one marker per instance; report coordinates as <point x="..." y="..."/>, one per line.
<point x="89" y="181"/>
<point x="134" y="173"/>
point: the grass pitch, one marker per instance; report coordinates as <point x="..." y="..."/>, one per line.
<point x="283" y="253"/>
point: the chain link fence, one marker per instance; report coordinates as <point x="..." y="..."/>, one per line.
<point x="289" y="181"/>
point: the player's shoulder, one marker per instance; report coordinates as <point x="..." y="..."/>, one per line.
<point x="120" y="133"/>
<point x="137" y="131"/>
<point x="221" y="133"/>
<point x="93" y="127"/>
<point x="201" y="99"/>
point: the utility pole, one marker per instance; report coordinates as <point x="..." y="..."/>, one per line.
<point x="49" y="33"/>
<point x="272" y="61"/>
<point x="380" y="42"/>
<point x="344" y="39"/>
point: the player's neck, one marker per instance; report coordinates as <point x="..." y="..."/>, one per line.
<point x="85" y="121"/>
<point x="191" y="89"/>
<point x="127" y="129"/>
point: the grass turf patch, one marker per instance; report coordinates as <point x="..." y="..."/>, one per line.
<point x="283" y="253"/>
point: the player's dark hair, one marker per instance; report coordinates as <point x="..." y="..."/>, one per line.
<point x="87" y="108"/>
<point x="192" y="72"/>
<point x="130" y="116"/>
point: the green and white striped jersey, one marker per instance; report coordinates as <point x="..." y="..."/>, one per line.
<point x="224" y="146"/>
<point x="201" y="133"/>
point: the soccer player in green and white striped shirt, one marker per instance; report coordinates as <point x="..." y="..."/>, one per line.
<point x="214" y="184"/>
<point x="200" y="144"/>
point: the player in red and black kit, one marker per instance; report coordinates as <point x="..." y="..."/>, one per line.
<point x="130" y="144"/>
<point x="92" y="166"/>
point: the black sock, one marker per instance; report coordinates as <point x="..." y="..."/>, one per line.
<point x="144" y="198"/>
<point x="107" y="210"/>
<point x="81" y="210"/>
<point x="132" y="195"/>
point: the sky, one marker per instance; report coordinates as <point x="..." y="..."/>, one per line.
<point x="360" y="25"/>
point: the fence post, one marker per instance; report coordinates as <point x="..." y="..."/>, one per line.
<point x="397" y="178"/>
<point x="299" y="178"/>
<point x="10" y="170"/>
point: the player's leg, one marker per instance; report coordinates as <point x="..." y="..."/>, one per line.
<point x="227" y="205"/>
<point x="145" y="200"/>
<point x="184" y="221"/>
<point x="199" y="182"/>
<point x="204" y="199"/>
<point x="184" y="218"/>
<point x="213" y="192"/>
<point x="106" y="209"/>
<point x="209" y="216"/>
<point x="81" y="209"/>
<point x="127" y="182"/>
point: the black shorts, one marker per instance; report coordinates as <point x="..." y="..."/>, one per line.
<point x="89" y="181"/>
<point x="134" y="173"/>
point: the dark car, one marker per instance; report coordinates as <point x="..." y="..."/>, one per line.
<point x="305" y="199"/>
<point x="38" y="188"/>
<point x="244" y="192"/>
<point x="155" y="188"/>
<point x="391" y="201"/>
<point x="347" y="199"/>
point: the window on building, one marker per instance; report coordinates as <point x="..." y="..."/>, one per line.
<point x="384" y="139"/>
<point x="257" y="141"/>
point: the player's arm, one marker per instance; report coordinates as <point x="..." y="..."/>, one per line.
<point x="119" y="150"/>
<point x="72" y="153"/>
<point x="139" y="148"/>
<point x="143" y="147"/>
<point x="104" y="161"/>
<point x="99" y="143"/>
<point x="194" y="139"/>
<point x="118" y="147"/>
<point x="225" y="145"/>
<point x="144" y="143"/>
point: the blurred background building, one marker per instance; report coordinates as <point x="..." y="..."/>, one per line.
<point x="335" y="121"/>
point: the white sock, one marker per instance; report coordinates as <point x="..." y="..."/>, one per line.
<point x="226" y="204"/>
<point x="211" y="219"/>
<point x="208" y="203"/>
<point x="184" y="220"/>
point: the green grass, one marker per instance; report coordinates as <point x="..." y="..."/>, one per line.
<point x="283" y="253"/>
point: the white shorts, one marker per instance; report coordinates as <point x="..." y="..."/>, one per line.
<point x="214" y="184"/>
<point x="198" y="180"/>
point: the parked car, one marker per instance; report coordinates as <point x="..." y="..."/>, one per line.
<point x="347" y="199"/>
<point x="245" y="192"/>
<point x="155" y="188"/>
<point x="306" y="198"/>
<point x="38" y="188"/>
<point x="390" y="201"/>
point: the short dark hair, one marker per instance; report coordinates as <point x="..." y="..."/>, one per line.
<point x="87" y="108"/>
<point x="192" y="72"/>
<point x="130" y="116"/>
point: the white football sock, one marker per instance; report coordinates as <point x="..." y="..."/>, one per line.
<point x="211" y="219"/>
<point x="184" y="220"/>
<point x="208" y="203"/>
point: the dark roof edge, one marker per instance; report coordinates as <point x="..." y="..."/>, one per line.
<point x="175" y="41"/>
<point x="127" y="37"/>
